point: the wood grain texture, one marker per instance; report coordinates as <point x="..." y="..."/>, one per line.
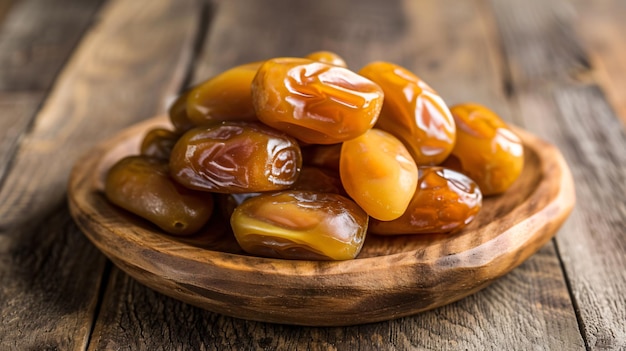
<point x="40" y="302"/>
<point x="453" y="46"/>
<point x="577" y="117"/>
<point x="531" y="26"/>
<point x="31" y="55"/>
<point x="457" y="57"/>
<point x="50" y="277"/>
<point x="18" y="110"/>
<point x="146" y="320"/>
<point x="5" y="7"/>
<point x="244" y="31"/>
<point x="106" y="80"/>
<point x="36" y="40"/>
<point x="49" y="274"/>
<point x="595" y="231"/>
<point x="601" y="26"/>
<point x="555" y="85"/>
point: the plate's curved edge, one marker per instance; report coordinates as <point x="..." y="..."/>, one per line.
<point x="407" y="265"/>
<point x="537" y="228"/>
<point x="565" y="195"/>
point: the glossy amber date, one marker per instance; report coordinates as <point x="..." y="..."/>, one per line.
<point x="236" y="157"/>
<point x="158" y="143"/>
<point x="378" y="172"/>
<point x="315" y="102"/>
<point x="225" y="97"/>
<point x="445" y="202"/>
<point x="178" y="114"/>
<point x="143" y="186"/>
<point x="413" y="112"/>
<point x="310" y="179"/>
<point x="327" y="57"/>
<point x="487" y="150"/>
<point x="300" y="225"/>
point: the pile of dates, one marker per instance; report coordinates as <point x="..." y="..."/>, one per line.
<point x="305" y="157"/>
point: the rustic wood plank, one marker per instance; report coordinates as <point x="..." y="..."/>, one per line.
<point x="18" y="110"/>
<point x="602" y="28"/>
<point x="29" y="254"/>
<point x="451" y="60"/>
<point x="592" y="247"/>
<point x="78" y="113"/>
<point x="530" y="62"/>
<point x="50" y="277"/>
<point x="145" y="320"/>
<point x="529" y="308"/>
<point x="49" y="273"/>
<point x="577" y="117"/>
<point x="36" y="39"/>
<point x="5" y="7"/>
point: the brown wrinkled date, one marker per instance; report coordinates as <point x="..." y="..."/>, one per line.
<point x="178" y="114"/>
<point x="226" y="97"/>
<point x="413" y="112"/>
<point x="159" y="143"/>
<point x="487" y="150"/>
<point x="304" y="157"/>
<point x="143" y="186"/>
<point x="315" y="102"/>
<point x="236" y="157"/>
<point x="310" y="179"/>
<point x="445" y="201"/>
<point x="300" y="225"/>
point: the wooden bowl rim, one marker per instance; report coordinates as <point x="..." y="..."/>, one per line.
<point x="518" y="232"/>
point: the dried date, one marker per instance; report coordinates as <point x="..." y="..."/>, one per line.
<point x="236" y="157"/>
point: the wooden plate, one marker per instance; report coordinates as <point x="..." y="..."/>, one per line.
<point x="392" y="277"/>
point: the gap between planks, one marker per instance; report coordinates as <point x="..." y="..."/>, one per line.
<point x="574" y="113"/>
<point x="32" y="208"/>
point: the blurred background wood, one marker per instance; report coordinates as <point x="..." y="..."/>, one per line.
<point x="51" y="275"/>
<point x="559" y="105"/>
<point x="601" y="27"/>
<point x="73" y="72"/>
<point x="5" y="5"/>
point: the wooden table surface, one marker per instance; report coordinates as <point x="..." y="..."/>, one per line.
<point x="73" y="72"/>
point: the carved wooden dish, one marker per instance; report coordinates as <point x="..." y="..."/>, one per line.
<point x="391" y="278"/>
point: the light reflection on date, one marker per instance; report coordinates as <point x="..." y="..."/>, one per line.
<point x="300" y="225"/>
<point x="143" y="186"/>
<point x="445" y="202"/>
<point x="236" y="157"/>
